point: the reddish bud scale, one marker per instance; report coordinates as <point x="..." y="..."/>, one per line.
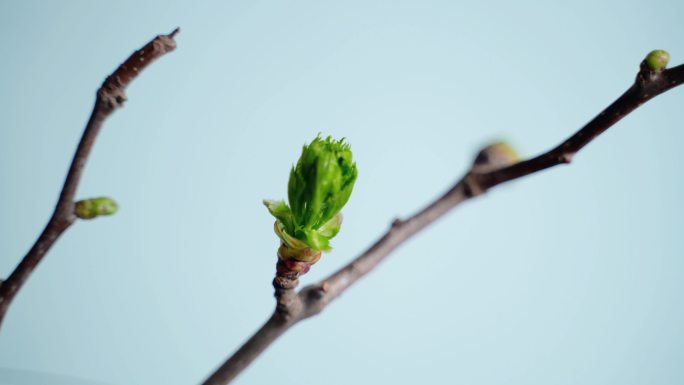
<point x="290" y="263"/>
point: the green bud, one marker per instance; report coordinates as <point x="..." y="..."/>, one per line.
<point x="495" y="156"/>
<point x="320" y="185"/>
<point x="657" y="60"/>
<point x="94" y="207"/>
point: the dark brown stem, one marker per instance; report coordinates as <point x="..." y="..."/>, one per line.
<point x="314" y="298"/>
<point x="110" y="96"/>
<point x="269" y="332"/>
<point x="646" y="86"/>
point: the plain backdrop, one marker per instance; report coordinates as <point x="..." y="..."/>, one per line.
<point x="571" y="276"/>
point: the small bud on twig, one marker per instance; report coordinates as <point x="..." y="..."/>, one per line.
<point x="95" y="207"/>
<point x="657" y="60"/>
<point x="495" y="156"/>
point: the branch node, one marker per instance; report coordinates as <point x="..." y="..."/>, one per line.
<point x="646" y="75"/>
<point x="397" y="223"/>
<point x="471" y="186"/>
<point x="285" y="295"/>
<point x="285" y="283"/>
<point x="111" y="94"/>
<point x="566" y="157"/>
<point x="316" y="294"/>
<point x="313" y="299"/>
<point x="110" y="99"/>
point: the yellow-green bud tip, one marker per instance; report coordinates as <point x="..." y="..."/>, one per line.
<point x="95" y="207"/>
<point x="494" y="156"/>
<point x="657" y="60"/>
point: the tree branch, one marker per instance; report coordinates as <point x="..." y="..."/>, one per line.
<point x="314" y="298"/>
<point x="110" y="96"/>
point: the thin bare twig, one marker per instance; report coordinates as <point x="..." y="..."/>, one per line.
<point x="110" y="96"/>
<point x="314" y="298"/>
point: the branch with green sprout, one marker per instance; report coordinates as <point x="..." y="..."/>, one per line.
<point x="320" y="185"/>
<point x="495" y="164"/>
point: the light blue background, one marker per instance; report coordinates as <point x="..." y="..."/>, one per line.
<point x="571" y="276"/>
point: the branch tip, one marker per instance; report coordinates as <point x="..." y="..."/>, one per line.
<point x="657" y="60"/>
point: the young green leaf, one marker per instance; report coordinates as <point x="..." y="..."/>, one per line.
<point x="320" y="185"/>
